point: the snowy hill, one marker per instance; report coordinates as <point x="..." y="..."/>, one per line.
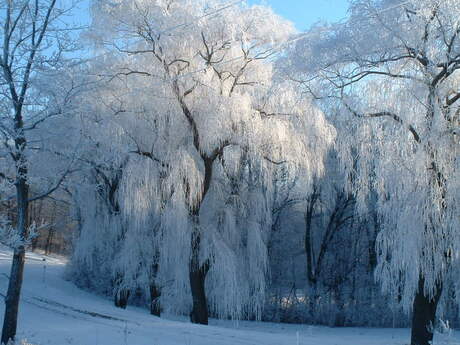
<point x="55" y="312"/>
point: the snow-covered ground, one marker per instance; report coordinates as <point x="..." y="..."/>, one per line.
<point x="55" y="312"/>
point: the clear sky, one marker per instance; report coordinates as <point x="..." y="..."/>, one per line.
<point x="306" y="12"/>
<point x="302" y="12"/>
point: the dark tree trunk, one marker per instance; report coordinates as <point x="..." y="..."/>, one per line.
<point x="17" y="267"/>
<point x="155" y="293"/>
<point x="121" y="294"/>
<point x="121" y="298"/>
<point x="51" y="232"/>
<point x="308" y="240"/>
<point x="197" y="276"/>
<point x="155" y="290"/>
<point x="198" y="271"/>
<point x="199" y="312"/>
<point x="424" y="313"/>
<point x="49" y="241"/>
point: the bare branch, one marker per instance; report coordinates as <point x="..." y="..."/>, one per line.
<point x="54" y="188"/>
<point x="386" y="114"/>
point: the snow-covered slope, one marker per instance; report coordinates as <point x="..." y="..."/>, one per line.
<point x="55" y="312"/>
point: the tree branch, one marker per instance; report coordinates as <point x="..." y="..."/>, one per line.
<point x="386" y="114"/>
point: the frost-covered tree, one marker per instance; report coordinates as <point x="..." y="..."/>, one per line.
<point x="394" y="67"/>
<point x="206" y="126"/>
<point x="33" y="42"/>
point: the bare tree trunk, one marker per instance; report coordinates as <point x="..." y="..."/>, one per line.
<point x="36" y="208"/>
<point x="197" y="277"/>
<point x="17" y="267"/>
<point x="49" y="241"/>
<point x="424" y="313"/>
<point x="155" y="290"/>
<point x="197" y="271"/>
<point x="121" y="298"/>
<point x="308" y="237"/>
<point x="121" y="295"/>
<point x="51" y="231"/>
<point x="424" y="307"/>
<point x="155" y="293"/>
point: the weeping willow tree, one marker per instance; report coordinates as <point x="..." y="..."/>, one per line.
<point x="393" y="67"/>
<point x="190" y="91"/>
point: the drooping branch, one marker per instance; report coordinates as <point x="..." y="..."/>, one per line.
<point x="389" y="114"/>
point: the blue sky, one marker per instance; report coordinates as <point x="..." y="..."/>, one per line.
<point x="302" y="12"/>
<point x="306" y="12"/>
